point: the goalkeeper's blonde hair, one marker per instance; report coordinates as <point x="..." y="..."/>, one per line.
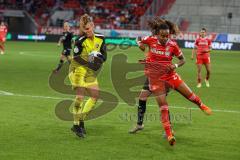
<point x="84" y="20"/>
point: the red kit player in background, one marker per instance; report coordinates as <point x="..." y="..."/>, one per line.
<point x="3" y="34"/>
<point x="202" y="50"/>
<point x="162" y="75"/>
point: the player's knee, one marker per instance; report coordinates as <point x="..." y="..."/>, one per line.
<point x="162" y="102"/>
<point x="199" y="71"/>
<point x="143" y="98"/>
<point x="144" y="95"/>
<point x="199" y="76"/>
<point x="95" y="96"/>
<point x="80" y="97"/>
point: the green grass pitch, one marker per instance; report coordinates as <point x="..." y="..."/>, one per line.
<point x="30" y="130"/>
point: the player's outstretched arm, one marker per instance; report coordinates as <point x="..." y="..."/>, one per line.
<point x="140" y="45"/>
<point x="60" y="41"/>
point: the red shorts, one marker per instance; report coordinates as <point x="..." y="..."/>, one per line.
<point x="203" y="60"/>
<point x="173" y="81"/>
<point x="2" y="39"/>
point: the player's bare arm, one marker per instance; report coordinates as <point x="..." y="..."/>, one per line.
<point x="140" y="45"/>
<point x="180" y="63"/>
<point x="60" y="41"/>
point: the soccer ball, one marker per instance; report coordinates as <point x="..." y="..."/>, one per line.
<point x="95" y="56"/>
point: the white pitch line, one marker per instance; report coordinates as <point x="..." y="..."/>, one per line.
<point x="4" y="93"/>
<point x="29" y="53"/>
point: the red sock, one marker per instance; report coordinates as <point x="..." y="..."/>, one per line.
<point x="165" y="120"/>
<point x="195" y="99"/>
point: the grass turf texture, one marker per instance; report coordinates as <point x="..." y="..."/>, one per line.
<point x="30" y="129"/>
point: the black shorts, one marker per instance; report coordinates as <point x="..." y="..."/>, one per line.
<point x="146" y="85"/>
<point x="66" y="52"/>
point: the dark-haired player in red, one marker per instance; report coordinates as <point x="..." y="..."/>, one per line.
<point x="3" y="34"/>
<point x="146" y="92"/>
<point x="162" y="75"/>
<point x="202" y="49"/>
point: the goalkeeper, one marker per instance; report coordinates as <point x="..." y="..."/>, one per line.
<point x="89" y="54"/>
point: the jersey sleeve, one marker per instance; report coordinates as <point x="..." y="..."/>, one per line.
<point x="78" y="46"/>
<point x="103" y="47"/>
<point x="145" y="40"/>
<point x="177" y="51"/>
<point x="103" y="50"/>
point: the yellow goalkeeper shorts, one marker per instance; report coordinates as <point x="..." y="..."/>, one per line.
<point x="82" y="77"/>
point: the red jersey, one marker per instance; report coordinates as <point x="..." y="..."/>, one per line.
<point x="159" y="56"/>
<point x="3" y="31"/>
<point x="203" y="44"/>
